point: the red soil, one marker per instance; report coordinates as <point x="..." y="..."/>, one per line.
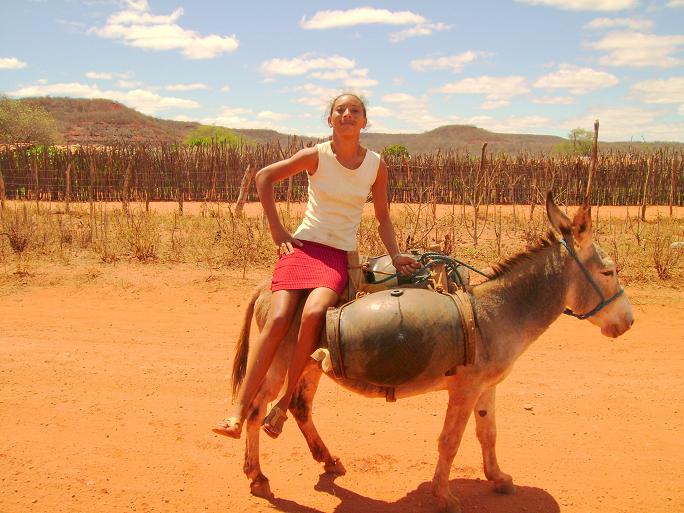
<point x="112" y="377"/>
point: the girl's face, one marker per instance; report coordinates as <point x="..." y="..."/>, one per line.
<point x="347" y="114"/>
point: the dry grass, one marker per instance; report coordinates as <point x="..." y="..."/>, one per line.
<point x="215" y="238"/>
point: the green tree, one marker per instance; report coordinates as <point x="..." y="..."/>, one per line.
<point x="23" y="123"/>
<point x="579" y="142"/>
<point x="206" y="135"/>
<point x="396" y="151"/>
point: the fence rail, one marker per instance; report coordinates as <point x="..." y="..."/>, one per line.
<point x="214" y="173"/>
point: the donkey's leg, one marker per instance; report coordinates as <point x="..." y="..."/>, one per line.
<point x="300" y="406"/>
<point x="256" y="411"/>
<point x="485" y="420"/>
<point x="258" y="482"/>
<point x="461" y="403"/>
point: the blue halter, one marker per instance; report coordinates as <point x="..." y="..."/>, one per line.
<point x="604" y="302"/>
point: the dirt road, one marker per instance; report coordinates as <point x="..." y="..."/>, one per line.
<point x="111" y="378"/>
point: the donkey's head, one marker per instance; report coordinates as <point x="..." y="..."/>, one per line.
<point x="594" y="291"/>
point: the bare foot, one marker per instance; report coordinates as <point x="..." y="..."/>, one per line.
<point x="231" y="427"/>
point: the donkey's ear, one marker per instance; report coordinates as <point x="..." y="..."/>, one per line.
<point x="581" y="226"/>
<point x="560" y="222"/>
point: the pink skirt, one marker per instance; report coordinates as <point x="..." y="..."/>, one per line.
<point x="311" y="266"/>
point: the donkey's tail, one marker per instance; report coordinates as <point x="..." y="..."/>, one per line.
<point x="242" y="349"/>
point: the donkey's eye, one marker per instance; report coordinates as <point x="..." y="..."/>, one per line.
<point x="608" y="273"/>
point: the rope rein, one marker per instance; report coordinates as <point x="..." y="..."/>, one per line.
<point x="429" y="260"/>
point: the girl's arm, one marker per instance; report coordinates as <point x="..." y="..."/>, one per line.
<point x="404" y="264"/>
<point x="304" y="160"/>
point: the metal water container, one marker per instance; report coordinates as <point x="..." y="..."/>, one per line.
<point x="393" y="337"/>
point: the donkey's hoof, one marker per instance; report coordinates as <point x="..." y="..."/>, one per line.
<point x="504" y="486"/>
<point x="335" y="468"/>
<point x="260" y="487"/>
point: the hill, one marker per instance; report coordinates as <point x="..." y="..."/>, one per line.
<point x="101" y="121"/>
<point x="462" y="137"/>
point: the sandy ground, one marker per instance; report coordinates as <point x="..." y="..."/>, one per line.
<point x="111" y="378"/>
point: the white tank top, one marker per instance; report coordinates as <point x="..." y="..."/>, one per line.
<point x="336" y="199"/>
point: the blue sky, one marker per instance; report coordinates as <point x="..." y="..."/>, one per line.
<point x="522" y="66"/>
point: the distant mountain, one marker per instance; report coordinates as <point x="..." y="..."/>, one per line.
<point x="462" y="137"/>
<point x="84" y="121"/>
<point x="100" y="121"/>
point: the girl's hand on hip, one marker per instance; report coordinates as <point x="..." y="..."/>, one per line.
<point x="285" y="244"/>
<point x="406" y="265"/>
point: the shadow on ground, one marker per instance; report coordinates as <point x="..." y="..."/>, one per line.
<point x="475" y="495"/>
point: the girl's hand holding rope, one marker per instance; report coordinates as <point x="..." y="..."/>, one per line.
<point x="405" y="264"/>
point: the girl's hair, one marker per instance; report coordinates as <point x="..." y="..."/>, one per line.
<point x="361" y="101"/>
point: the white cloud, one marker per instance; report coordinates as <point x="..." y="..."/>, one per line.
<point x="669" y="90"/>
<point x="360" y="82"/>
<point x="11" y="63"/>
<point x="137" y="27"/>
<point x="129" y="84"/>
<point x="360" y="16"/>
<point x="143" y="100"/>
<point x="225" y="89"/>
<point x="495" y="104"/>
<point x="304" y="64"/>
<point x="675" y="3"/>
<point x="185" y="87"/>
<point x="275" y="116"/>
<point x="412" y="110"/>
<point x="513" y="124"/>
<point x="611" y="23"/>
<point x="629" y="123"/>
<point x="493" y="87"/>
<point x="585" y="5"/>
<point x="636" y="50"/>
<point x="452" y="62"/>
<point x="554" y="100"/>
<point x="497" y="90"/>
<point x="330" y="75"/>
<point x="681" y="109"/>
<point x="379" y="112"/>
<point x="576" y="79"/>
<point x="355" y="79"/>
<point x="239" y="117"/>
<point x="105" y="75"/>
<point x="314" y="95"/>
<point x="424" y="29"/>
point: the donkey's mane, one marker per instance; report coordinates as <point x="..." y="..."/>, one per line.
<point x="507" y="264"/>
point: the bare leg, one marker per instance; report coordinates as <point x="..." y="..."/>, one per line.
<point x="283" y="307"/>
<point x="313" y="319"/>
<point x="485" y="420"/>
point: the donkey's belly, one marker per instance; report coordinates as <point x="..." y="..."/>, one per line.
<point x="393" y="337"/>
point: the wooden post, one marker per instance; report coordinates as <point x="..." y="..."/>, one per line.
<point x="649" y="166"/>
<point x="67" y="187"/>
<point x="2" y="191"/>
<point x="244" y="189"/>
<point x="592" y="168"/>
<point x="126" y="186"/>
<point x="91" y="199"/>
<point x="289" y="194"/>
<point x="672" y="181"/>
<point x="36" y="185"/>
<point x="180" y="192"/>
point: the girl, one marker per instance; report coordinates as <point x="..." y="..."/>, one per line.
<point x="341" y="173"/>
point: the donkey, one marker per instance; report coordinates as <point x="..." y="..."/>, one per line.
<point x="525" y="294"/>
